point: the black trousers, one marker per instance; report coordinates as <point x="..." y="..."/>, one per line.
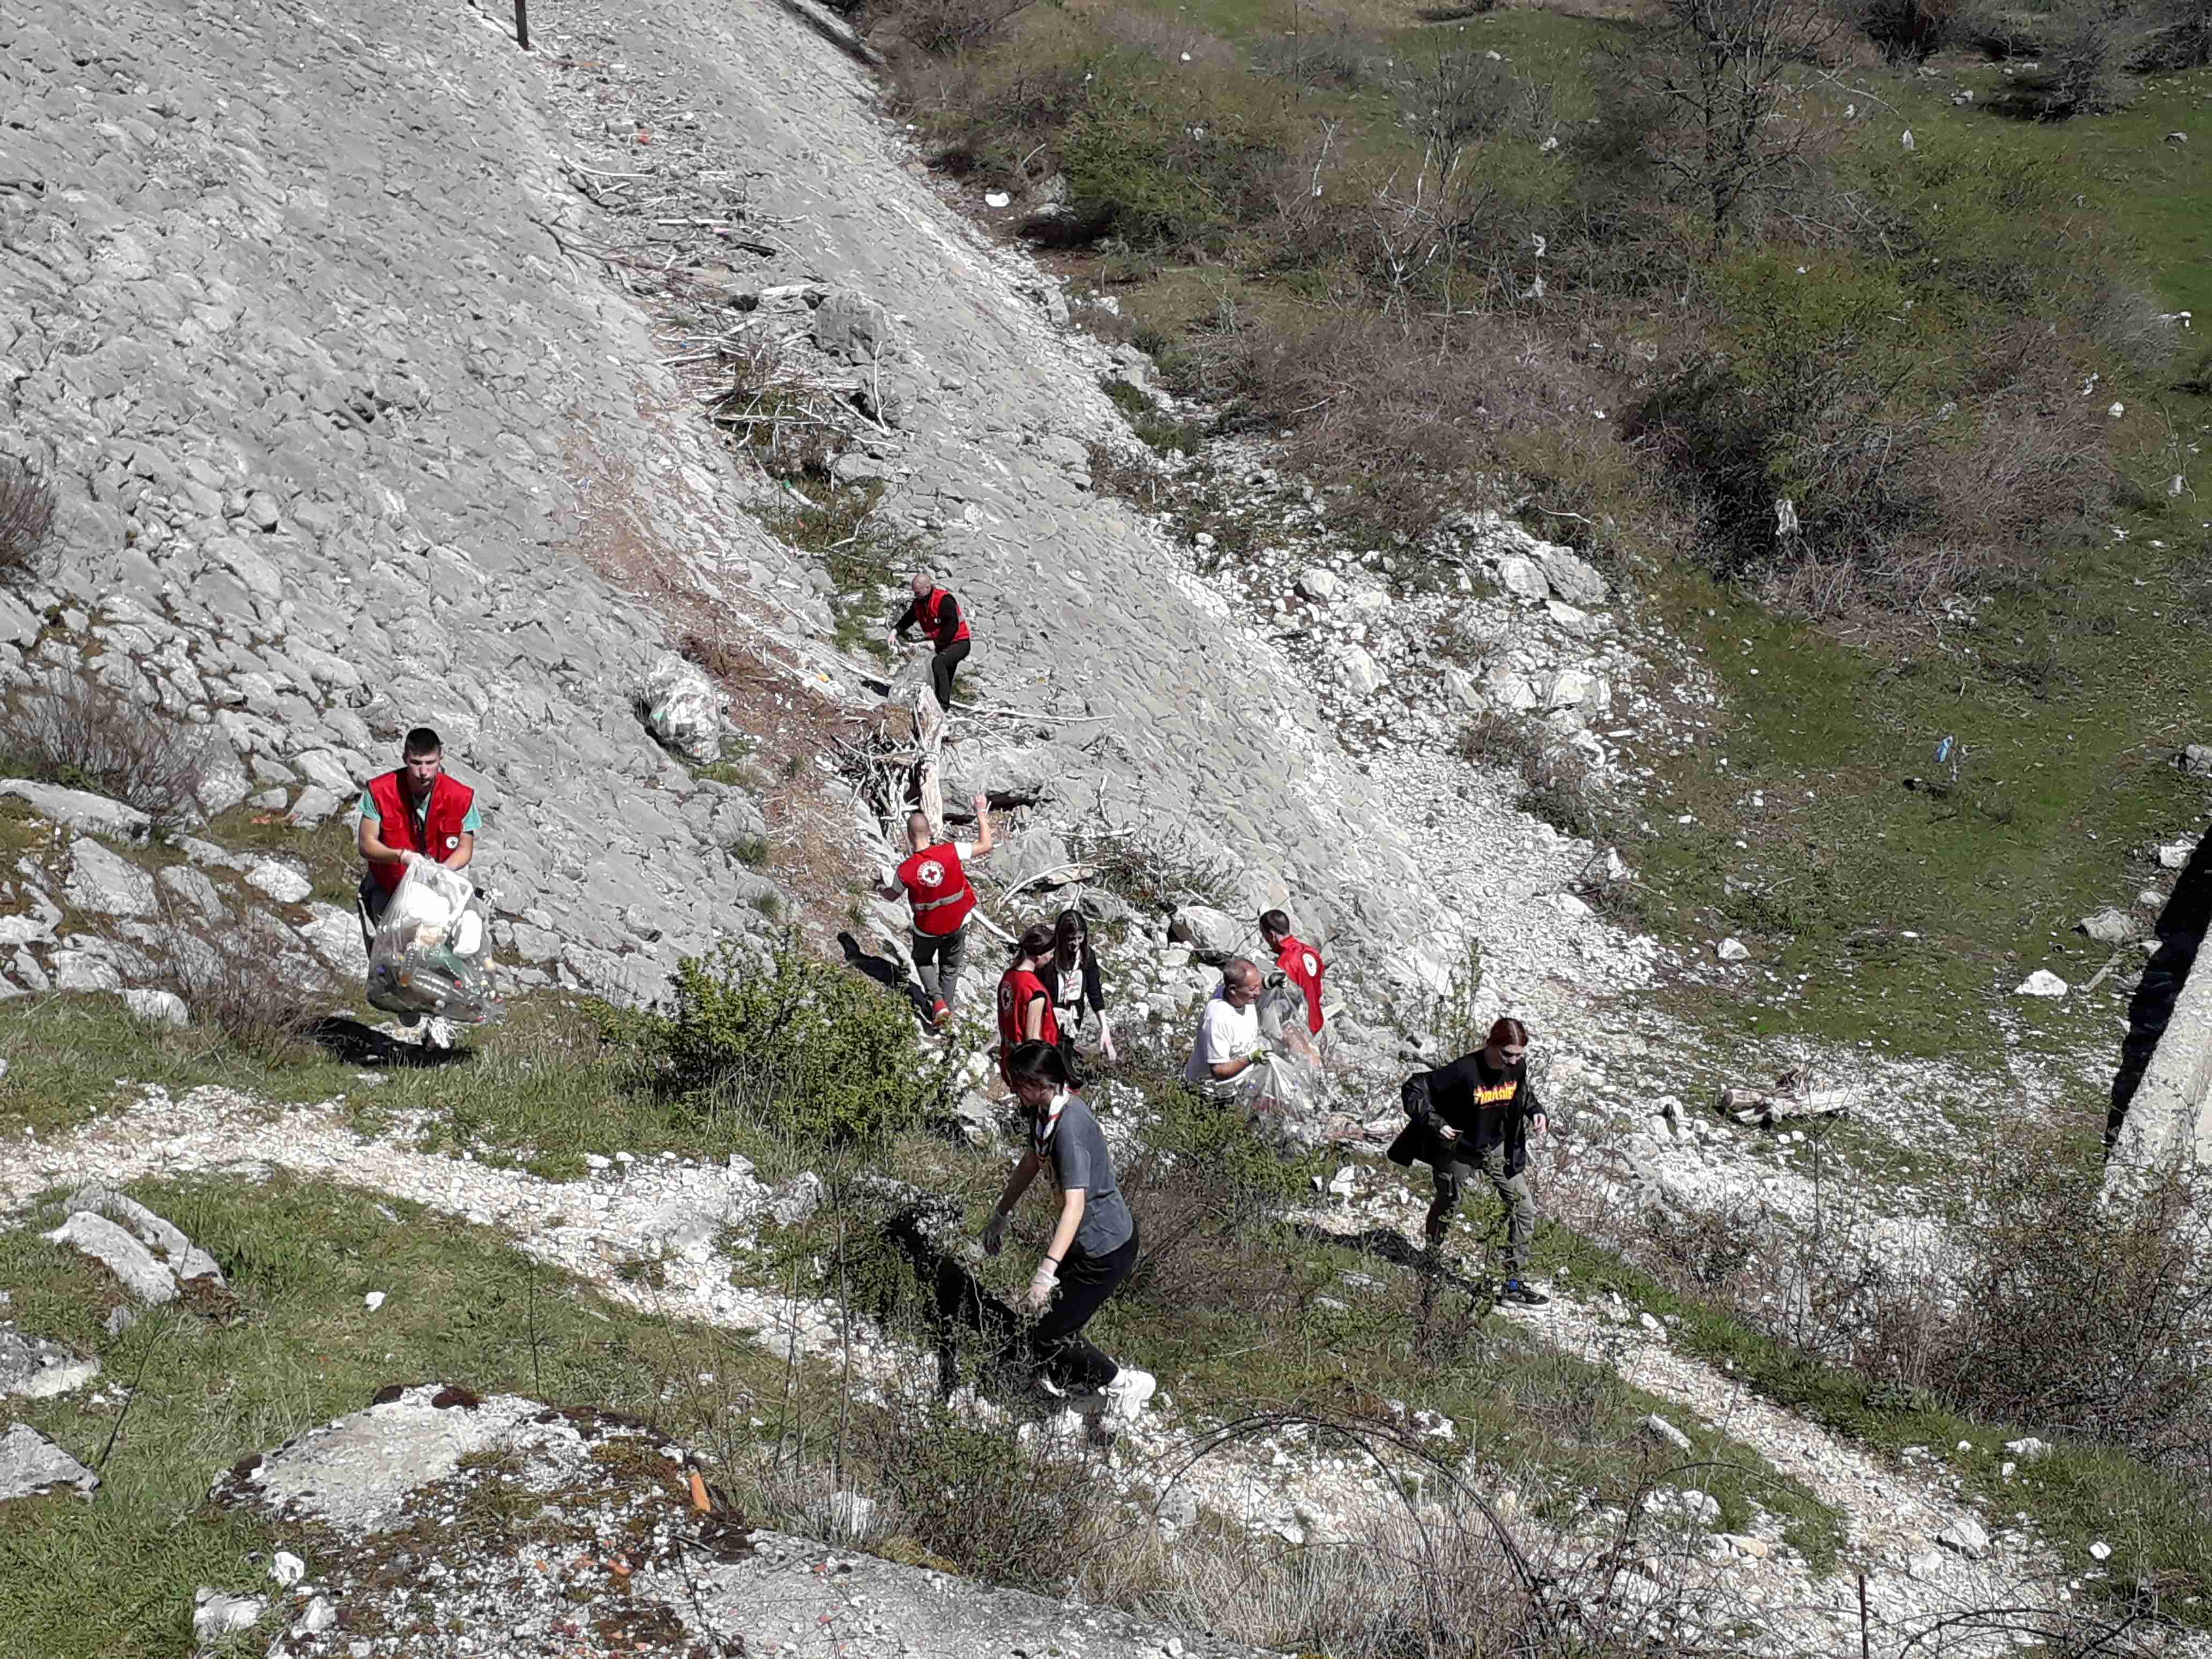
<point x="1057" y="1346"/>
<point x="940" y="670"/>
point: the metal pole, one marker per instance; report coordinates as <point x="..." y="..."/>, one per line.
<point x="522" y="24"/>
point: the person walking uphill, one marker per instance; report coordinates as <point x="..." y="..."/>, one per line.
<point x="1093" y="1246"/>
<point x="939" y="615"/>
<point x="1475" y="1115"/>
<point x="934" y="879"/>
<point x="414" y="814"/>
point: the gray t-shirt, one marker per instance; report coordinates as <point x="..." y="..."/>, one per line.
<point x="1079" y="1159"/>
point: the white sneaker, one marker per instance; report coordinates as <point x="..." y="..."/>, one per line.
<point x="1129" y="1393"/>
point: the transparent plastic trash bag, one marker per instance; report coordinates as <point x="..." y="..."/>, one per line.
<point x="432" y="951"/>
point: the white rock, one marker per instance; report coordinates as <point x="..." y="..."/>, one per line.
<point x="1318" y="582"/>
<point x="372" y="1301"/>
<point x="1667" y="1431"/>
<point x="2108" y="927"/>
<point x="2028" y="1448"/>
<point x="2100" y="1550"/>
<point x="2174" y="855"/>
<point x="157" y="1007"/>
<point x="286" y="1569"/>
<point x="1361" y="674"/>
<point x="1523" y="578"/>
<point x="80" y="809"/>
<point x="106" y="882"/>
<point x="217" y="1613"/>
<point x="2041" y="983"/>
<point x="1732" y="949"/>
<point x="320" y="1616"/>
<point x="280" y="881"/>
<point x="1967" y="1536"/>
<point x="30" y="1463"/>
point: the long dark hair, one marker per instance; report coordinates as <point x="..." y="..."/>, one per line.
<point x="1071" y="941"/>
<point x="1039" y="1062"/>
<point x="1035" y="941"/>
<point x="1506" y="1030"/>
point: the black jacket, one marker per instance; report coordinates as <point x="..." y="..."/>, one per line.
<point x="1488" y="1108"/>
<point x="1094" y="988"/>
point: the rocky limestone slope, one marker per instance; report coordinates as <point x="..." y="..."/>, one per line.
<point x="354" y="429"/>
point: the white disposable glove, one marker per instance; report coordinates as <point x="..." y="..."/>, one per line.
<point x="994" y="1233"/>
<point x="1042" y="1282"/>
<point x="1106" y="1042"/>
<point x="412" y="859"/>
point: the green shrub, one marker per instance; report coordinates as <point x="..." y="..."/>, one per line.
<point x="1159" y="167"/>
<point x="810" y="1050"/>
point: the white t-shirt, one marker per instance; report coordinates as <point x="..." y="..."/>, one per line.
<point x="1225" y="1032"/>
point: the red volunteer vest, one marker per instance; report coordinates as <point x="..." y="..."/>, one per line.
<point x="938" y="889"/>
<point x="450" y="800"/>
<point x="1302" y="965"/>
<point x="1017" y="989"/>
<point x="930" y="613"/>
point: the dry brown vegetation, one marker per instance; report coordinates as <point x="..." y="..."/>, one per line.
<point x="1707" y="298"/>
<point x="83" y="734"/>
<point x="27" y="519"/>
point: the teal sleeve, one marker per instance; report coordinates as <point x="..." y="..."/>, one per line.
<point x="369" y="811"/>
<point x="474" y="821"/>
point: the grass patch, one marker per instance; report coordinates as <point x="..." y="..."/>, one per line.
<point x="865" y="556"/>
<point x="116" y="1576"/>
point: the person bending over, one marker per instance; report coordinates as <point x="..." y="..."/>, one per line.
<point x="938" y="614"/>
<point x="1226" y="1054"/>
<point x="1093" y="1246"/>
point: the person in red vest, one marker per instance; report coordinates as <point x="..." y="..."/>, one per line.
<point x="939" y="615"/>
<point x="1026" y="1011"/>
<point x="1298" y="962"/>
<point x="414" y="814"/>
<point x="934" y="880"/>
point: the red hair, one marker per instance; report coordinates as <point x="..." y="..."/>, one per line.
<point x="1509" y="1030"/>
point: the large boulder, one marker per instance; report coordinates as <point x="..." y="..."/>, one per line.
<point x="1215" y="935"/>
<point x="1573" y="578"/>
<point x="106" y="882"/>
<point x="80" y="809"/>
<point x="1032" y="859"/>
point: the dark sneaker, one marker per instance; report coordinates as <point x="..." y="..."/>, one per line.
<point x="1521" y="1295"/>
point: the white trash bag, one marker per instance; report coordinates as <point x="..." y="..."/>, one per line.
<point x="432" y="949"/>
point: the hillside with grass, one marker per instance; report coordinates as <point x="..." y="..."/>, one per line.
<point x="1677" y="521"/>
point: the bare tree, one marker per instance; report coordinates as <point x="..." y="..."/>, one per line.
<point x="1725" y="75"/>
